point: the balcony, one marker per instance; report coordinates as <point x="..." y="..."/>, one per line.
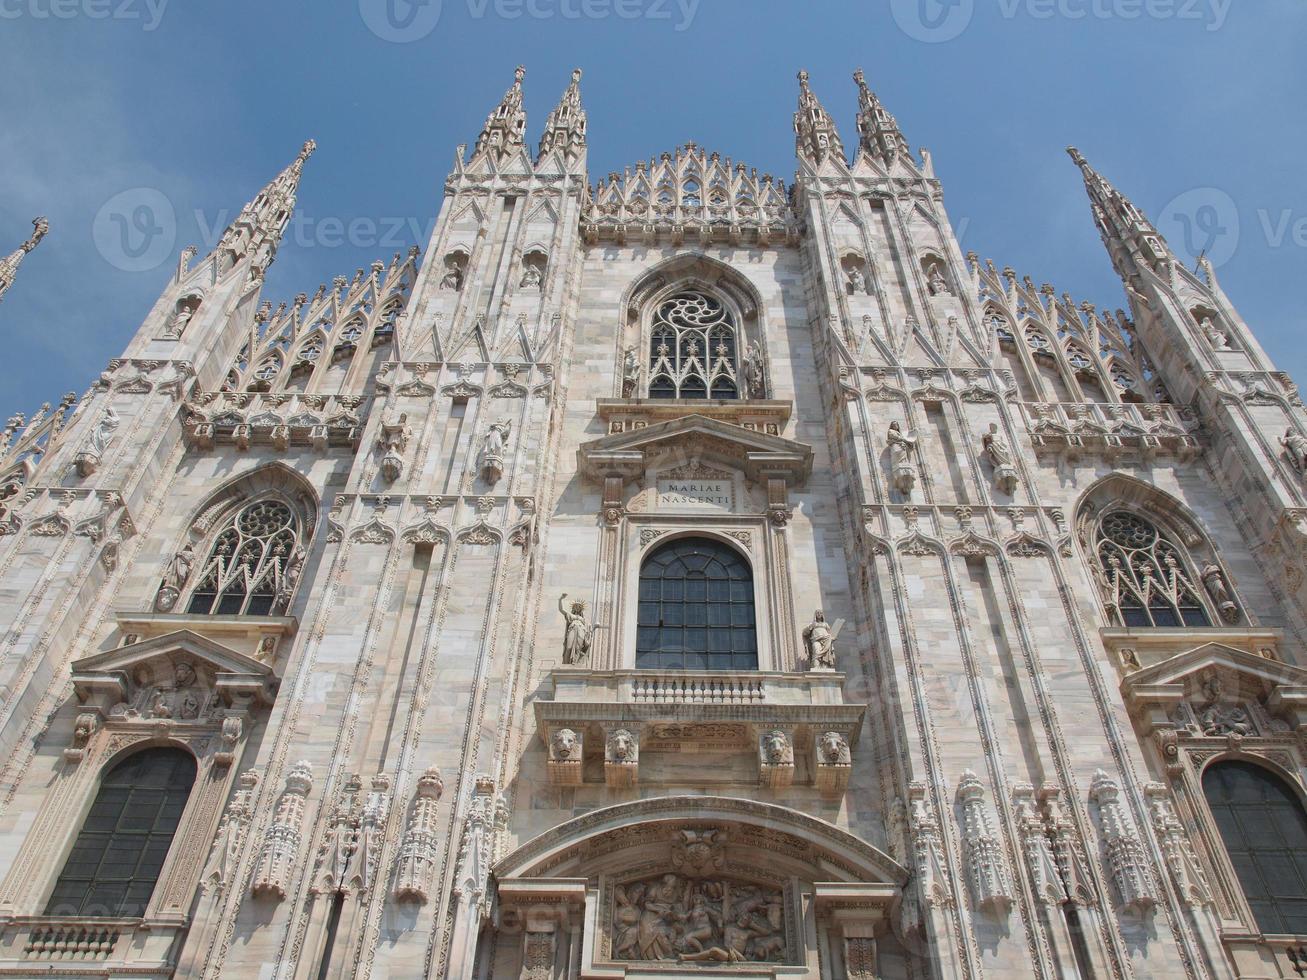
<point x="624" y="726"/>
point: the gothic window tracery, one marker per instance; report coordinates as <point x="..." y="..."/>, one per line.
<point x="1145" y="576"/>
<point x="696" y="608"/>
<point x="693" y="348"/>
<point x="249" y="568"/>
<point x="1264" y="829"/>
<point x="120" y="850"/>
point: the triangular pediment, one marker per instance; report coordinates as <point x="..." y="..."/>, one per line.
<point x="124" y="672"/>
<point x="757" y="454"/>
<point x="1185" y="671"/>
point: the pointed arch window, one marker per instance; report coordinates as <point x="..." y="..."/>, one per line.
<point x="696" y="609"/>
<point x="119" y="853"/>
<point x="693" y="349"/>
<point x="1145" y="576"/>
<point x="247" y="569"/>
<point x="1264" y="829"/>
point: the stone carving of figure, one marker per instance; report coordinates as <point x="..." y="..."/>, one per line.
<point x="776" y="748"/>
<point x="1217" y="588"/>
<point x="1219" y="718"/>
<point x="492" y="450"/>
<point x="902" y="452"/>
<point x="453" y="279"/>
<point x="190" y="708"/>
<point x="630" y="373"/>
<point x="103" y="432"/>
<point x="531" y="278"/>
<point x="656" y="931"/>
<point x="754" y="372"/>
<point x="180" y="321"/>
<point x="179" y="569"/>
<point x="1295" y="443"/>
<point x="820" y="643"/>
<point x="1215" y="336"/>
<point x="627" y="921"/>
<point x="938" y="284"/>
<point x="576" y="637"/>
<point x="290" y="578"/>
<point x="160" y="706"/>
<point x="622" y="746"/>
<point x="184" y="675"/>
<point x="834" y="749"/>
<point x="857" y="281"/>
<point x="996" y="448"/>
<point x="1000" y="455"/>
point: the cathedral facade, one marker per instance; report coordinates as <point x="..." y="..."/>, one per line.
<point x="675" y="575"/>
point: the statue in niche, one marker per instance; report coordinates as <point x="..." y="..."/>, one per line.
<point x="102" y="433"/>
<point x="1000" y="455"/>
<point x="819" y="641"/>
<point x="630" y="373"/>
<point x="1295" y="444"/>
<point x="1217" y="588"/>
<point x="492" y="450"/>
<point x="177" y="326"/>
<point x="577" y="632"/>
<point x="1215" y="335"/>
<point x="175" y="576"/>
<point x="938" y="284"/>
<point x="453" y="279"/>
<point x="532" y="278"/>
<point x="902" y="454"/>
<point x="857" y="281"/>
<point x="754" y="372"/>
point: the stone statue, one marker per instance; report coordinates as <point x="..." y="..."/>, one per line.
<point x="175" y="577"/>
<point x="857" y="281"/>
<point x="184" y="675"/>
<point x="754" y="372"/>
<point x="180" y="321"/>
<point x="820" y="643"/>
<point x="290" y="578"/>
<point x="1000" y="455"/>
<point x="630" y="373"/>
<point x="564" y="746"/>
<point x="1217" y="588"/>
<point x="902" y="454"/>
<point x="938" y="284"/>
<point x="492" y="450"/>
<point x="103" y="432"/>
<point x="834" y="749"/>
<point x="531" y="278"/>
<point x="776" y="750"/>
<point x="576" y="637"/>
<point x="1215" y="336"/>
<point x="1295" y="443"/>
<point x="453" y="279"/>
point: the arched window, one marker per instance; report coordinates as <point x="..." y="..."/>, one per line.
<point x="120" y="851"/>
<point x="1145" y="576"/>
<point x="696" y="609"/>
<point x="1265" y="833"/>
<point x="693" y="349"/>
<point x="247" y="568"/>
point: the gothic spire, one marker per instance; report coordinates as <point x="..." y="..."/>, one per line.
<point x="9" y="264"/>
<point x="506" y="125"/>
<point x="1123" y="226"/>
<point x="814" y="130"/>
<point x="565" y="127"/>
<point x="880" y="130"/>
<point x="257" y="230"/>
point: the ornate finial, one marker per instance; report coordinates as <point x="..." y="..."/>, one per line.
<point x="879" y="130"/>
<point x="9" y="264"/>
<point x="506" y="124"/>
<point x="814" y="130"/>
<point x="565" y="127"/>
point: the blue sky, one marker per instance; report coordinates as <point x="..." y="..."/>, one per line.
<point x="1195" y="100"/>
